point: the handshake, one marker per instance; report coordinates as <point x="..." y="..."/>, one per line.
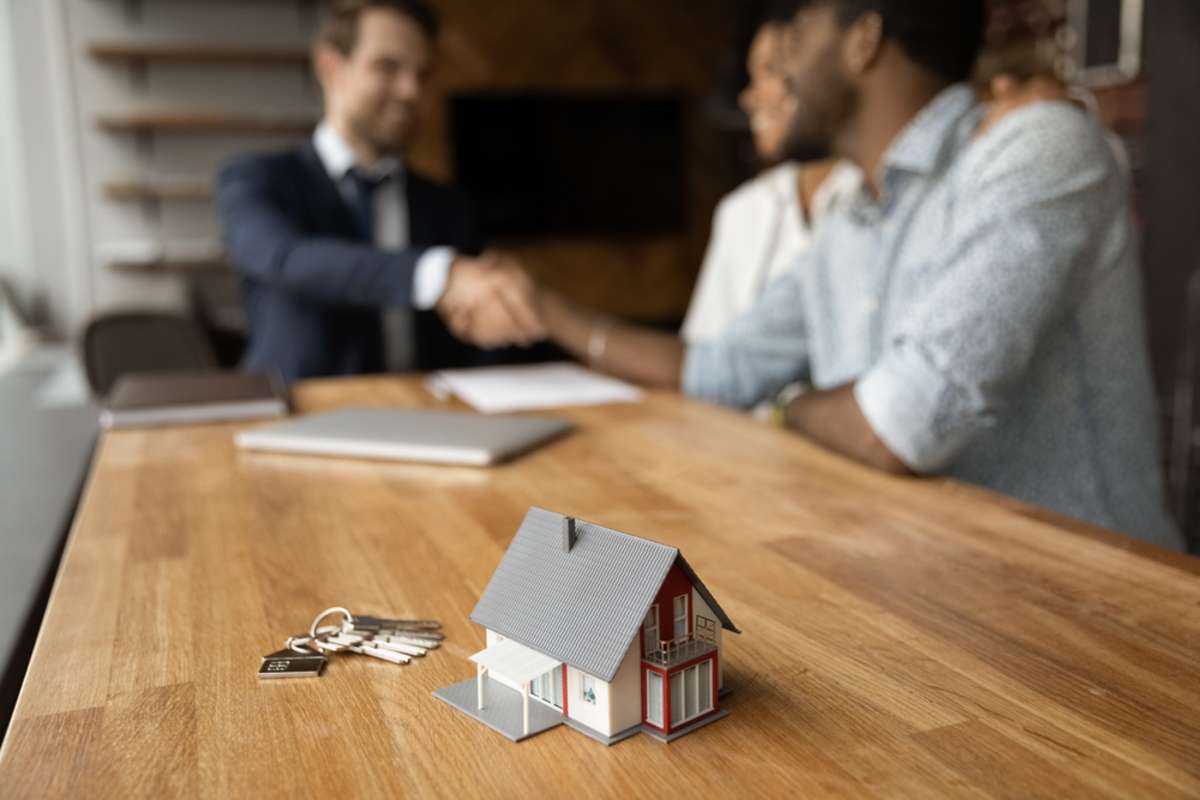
<point x="491" y="302"/>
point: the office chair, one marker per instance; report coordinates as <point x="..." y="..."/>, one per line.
<point x="141" y="341"/>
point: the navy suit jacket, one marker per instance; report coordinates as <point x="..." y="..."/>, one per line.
<point x="312" y="288"/>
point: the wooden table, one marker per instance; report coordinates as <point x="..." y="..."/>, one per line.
<point x="901" y="638"/>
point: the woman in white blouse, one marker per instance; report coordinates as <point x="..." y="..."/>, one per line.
<point x="761" y="228"/>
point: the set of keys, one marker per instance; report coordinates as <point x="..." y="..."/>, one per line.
<point x="397" y="641"/>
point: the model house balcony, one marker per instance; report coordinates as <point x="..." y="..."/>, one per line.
<point x="672" y="652"/>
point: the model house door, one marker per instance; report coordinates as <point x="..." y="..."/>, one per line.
<point x="654" y="698"/>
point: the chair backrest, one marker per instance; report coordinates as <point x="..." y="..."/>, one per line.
<point x="142" y="341"/>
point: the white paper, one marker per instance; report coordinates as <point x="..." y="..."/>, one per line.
<point x="494" y="390"/>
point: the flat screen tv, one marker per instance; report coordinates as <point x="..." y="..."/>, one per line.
<point x="552" y="165"/>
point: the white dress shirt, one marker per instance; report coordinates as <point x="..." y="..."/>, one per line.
<point x="759" y="232"/>
<point x="389" y="206"/>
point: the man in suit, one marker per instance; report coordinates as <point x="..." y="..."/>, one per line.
<point x="345" y="255"/>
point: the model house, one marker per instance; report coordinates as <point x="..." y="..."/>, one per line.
<point x="593" y="628"/>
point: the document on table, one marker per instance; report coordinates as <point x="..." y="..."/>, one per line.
<point x="494" y="390"/>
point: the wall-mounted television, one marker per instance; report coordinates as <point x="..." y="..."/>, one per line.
<point x="579" y="165"/>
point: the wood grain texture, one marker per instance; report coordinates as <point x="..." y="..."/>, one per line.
<point x="902" y="638"/>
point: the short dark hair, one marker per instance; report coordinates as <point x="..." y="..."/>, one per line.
<point x="340" y="28"/>
<point x="943" y="36"/>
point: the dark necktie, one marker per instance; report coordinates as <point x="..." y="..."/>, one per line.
<point x="361" y="205"/>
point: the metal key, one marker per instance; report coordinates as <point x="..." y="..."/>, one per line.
<point x="386" y="655"/>
<point x="418" y="632"/>
<point x="328" y="647"/>
<point x="366" y="623"/>
<point x="416" y="641"/>
<point x="407" y="649"/>
<point x="348" y="639"/>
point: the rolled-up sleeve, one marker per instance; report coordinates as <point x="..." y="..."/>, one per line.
<point x="761" y="352"/>
<point x="1021" y="257"/>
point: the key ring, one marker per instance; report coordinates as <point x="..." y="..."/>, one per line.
<point x="348" y="618"/>
<point x="299" y="644"/>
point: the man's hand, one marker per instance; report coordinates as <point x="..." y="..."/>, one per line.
<point x="1011" y="94"/>
<point x="490" y="302"/>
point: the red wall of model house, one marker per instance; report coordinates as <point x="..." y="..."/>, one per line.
<point x="675" y="584"/>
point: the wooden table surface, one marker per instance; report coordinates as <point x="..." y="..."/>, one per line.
<point x="900" y="638"/>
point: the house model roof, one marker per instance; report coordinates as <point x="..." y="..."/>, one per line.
<point x="582" y="606"/>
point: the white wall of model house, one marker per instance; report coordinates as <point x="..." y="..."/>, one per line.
<point x="594" y="715"/>
<point x="75" y="229"/>
<point x="625" y="707"/>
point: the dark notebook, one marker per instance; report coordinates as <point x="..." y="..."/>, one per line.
<point x="142" y="400"/>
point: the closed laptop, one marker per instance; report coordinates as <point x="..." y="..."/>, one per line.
<point x="448" y="437"/>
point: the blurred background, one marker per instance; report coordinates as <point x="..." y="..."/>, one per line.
<point x="613" y="132"/>
<point x="116" y="113"/>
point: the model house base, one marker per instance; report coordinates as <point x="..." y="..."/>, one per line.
<point x="504" y="714"/>
<point x="601" y="631"/>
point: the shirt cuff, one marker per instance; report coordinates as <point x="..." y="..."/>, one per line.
<point x="432" y="273"/>
<point x="906" y="401"/>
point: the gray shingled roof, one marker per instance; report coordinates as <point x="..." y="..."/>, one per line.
<point x="582" y="607"/>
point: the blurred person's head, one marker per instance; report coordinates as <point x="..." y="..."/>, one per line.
<point x="373" y="59"/>
<point x="844" y="57"/>
<point x="765" y="100"/>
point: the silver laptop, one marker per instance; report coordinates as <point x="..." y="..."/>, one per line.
<point x="446" y="437"/>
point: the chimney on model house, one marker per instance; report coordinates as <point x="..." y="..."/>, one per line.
<point x="568" y="534"/>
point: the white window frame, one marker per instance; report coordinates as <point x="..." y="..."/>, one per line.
<point x="680" y="617"/>
<point x="586" y="683"/>
<point x="541" y="689"/>
<point x="694" y="692"/>
<point x="650" y="644"/>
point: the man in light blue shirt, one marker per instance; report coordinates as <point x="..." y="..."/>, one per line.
<point x="976" y="311"/>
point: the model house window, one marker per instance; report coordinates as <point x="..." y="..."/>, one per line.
<point x="650" y="629"/>
<point x="587" y="689"/>
<point x="681" y="614"/>
<point x="677" y="699"/>
<point x="704" y="701"/>
<point x="691" y="693"/>
<point x="548" y="688"/>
